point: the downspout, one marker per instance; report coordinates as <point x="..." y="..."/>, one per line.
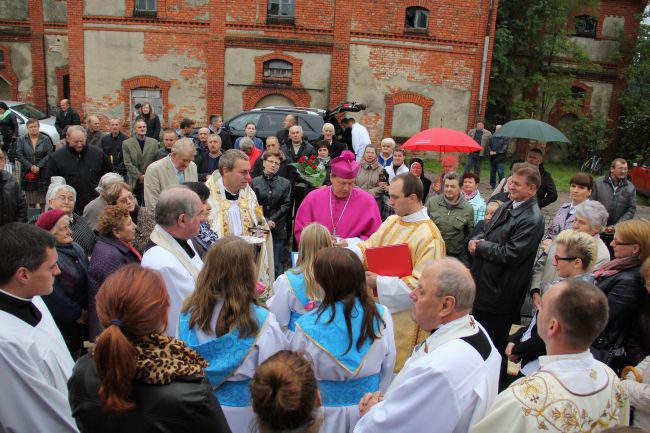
<point x="486" y="46"/>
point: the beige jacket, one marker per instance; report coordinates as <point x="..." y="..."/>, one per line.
<point x="368" y="179"/>
<point x="160" y="175"/>
<point x="137" y="160"/>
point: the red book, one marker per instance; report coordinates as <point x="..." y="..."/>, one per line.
<point x="390" y="261"/>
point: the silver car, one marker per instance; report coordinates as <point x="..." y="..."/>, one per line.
<point x="25" y="111"/>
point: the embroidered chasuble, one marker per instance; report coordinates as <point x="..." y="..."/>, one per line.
<point x="425" y="244"/>
<point x="226" y="221"/>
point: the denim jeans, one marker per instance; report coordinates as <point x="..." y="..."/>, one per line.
<point x="473" y="163"/>
<point x="496" y="167"/>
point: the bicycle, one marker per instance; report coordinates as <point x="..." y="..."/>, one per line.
<point x="593" y="164"/>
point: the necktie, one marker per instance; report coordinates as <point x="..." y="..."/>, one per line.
<point x="181" y="176"/>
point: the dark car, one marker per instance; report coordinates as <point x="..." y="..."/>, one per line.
<point x="268" y="121"/>
<point x="640" y="175"/>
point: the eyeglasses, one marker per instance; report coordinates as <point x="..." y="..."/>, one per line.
<point x="65" y="198"/>
<point x="273" y="162"/>
<point x="623" y="243"/>
<point x="126" y="199"/>
<point x="568" y="259"/>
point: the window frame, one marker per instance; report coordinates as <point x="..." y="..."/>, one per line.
<point x="417" y="11"/>
<point x="288" y="80"/>
<point x="145" y="11"/>
<point x="584" y="20"/>
<point x="281" y="17"/>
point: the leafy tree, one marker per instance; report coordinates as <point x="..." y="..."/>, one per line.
<point x="588" y="133"/>
<point x="534" y="59"/>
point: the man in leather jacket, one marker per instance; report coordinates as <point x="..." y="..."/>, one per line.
<point x="504" y="253"/>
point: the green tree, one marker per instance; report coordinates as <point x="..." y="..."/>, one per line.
<point x="535" y="60"/>
<point x="634" y="124"/>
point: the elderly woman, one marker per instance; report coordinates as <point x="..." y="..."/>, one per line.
<point x="95" y="207"/>
<point x="206" y="237"/>
<point x="68" y="301"/>
<point x="385" y="157"/>
<point x="472" y="195"/>
<point x="63" y="197"/>
<point x="250" y="130"/>
<point x="416" y="167"/>
<point x="591" y="218"/>
<point x="33" y="151"/>
<point x="137" y="380"/>
<point x="113" y="250"/>
<point x="121" y="194"/>
<point x="371" y="176"/>
<point x="336" y="147"/>
<point x="247" y="146"/>
<point x="620" y="279"/>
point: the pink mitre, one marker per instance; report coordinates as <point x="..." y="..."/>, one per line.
<point x="345" y="166"/>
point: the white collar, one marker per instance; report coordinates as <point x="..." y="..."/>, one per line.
<point x="579" y="373"/>
<point x="420" y="215"/>
<point x="15" y="297"/>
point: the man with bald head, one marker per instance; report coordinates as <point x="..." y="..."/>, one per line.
<point x="111" y="144"/>
<point x="93" y="129"/>
<point x="455" y="372"/>
<point x="178" y="218"/>
<point x="66" y="116"/>
<point x="283" y="134"/>
<point x="174" y="169"/>
<point x="139" y="152"/>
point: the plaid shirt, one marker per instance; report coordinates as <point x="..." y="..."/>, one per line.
<point x="563" y="220"/>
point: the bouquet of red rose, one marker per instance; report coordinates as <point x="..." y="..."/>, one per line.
<point x="311" y="170"/>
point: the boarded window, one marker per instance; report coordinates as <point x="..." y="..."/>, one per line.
<point x="152" y="96"/>
<point x="277" y="71"/>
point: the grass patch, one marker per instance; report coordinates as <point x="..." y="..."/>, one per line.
<point x="561" y="172"/>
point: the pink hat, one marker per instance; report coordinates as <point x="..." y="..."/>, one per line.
<point x="345" y="165"/>
<point x="49" y="219"/>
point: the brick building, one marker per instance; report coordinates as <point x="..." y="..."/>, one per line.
<point x="416" y="64"/>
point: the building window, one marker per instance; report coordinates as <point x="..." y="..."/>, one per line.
<point x="280" y="12"/>
<point x="416" y="20"/>
<point x="145" y="8"/>
<point x="277" y="71"/>
<point x="585" y="25"/>
<point x="578" y="93"/>
<point x="2" y="59"/>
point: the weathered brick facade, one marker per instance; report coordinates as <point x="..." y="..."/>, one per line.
<point x="202" y="57"/>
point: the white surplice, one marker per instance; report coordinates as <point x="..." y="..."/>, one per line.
<point x="35" y="365"/>
<point x="283" y="302"/>
<point x="179" y="281"/>
<point x="270" y="340"/>
<point x="380" y="359"/>
<point x="445" y="385"/>
<point x="569" y="393"/>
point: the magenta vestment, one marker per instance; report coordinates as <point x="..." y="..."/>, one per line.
<point x="360" y="219"/>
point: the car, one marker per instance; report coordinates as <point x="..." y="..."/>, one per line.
<point x="269" y="120"/>
<point x="640" y="176"/>
<point x="24" y="111"/>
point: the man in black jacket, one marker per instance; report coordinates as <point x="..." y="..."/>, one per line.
<point x="66" y="117"/>
<point x="82" y="166"/>
<point x="216" y="127"/>
<point x="274" y="195"/>
<point x="547" y="192"/>
<point x="111" y="144"/>
<point x="13" y="205"/>
<point x="283" y="134"/>
<point x="504" y="253"/>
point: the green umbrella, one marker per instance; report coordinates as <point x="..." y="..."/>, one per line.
<point x="532" y="129"/>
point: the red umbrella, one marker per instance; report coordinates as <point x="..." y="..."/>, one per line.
<point x="441" y="140"/>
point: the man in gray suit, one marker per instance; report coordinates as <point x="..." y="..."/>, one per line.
<point x="174" y="169"/>
<point x="139" y="151"/>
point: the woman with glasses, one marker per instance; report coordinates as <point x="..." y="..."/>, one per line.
<point x="33" y="151"/>
<point x="620" y="279"/>
<point x="121" y="194"/>
<point x="574" y="257"/>
<point x="112" y="250"/>
<point x="63" y="197"/>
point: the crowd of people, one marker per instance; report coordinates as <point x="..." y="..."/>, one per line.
<point x="151" y="288"/>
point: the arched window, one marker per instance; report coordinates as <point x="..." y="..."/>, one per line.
<point x="585" y="26"/>
<point x="277" y="71"/>
<point x="578" y="93"/>
<point x="416" y="20"/>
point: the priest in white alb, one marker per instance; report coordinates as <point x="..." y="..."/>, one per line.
<point x="236" y="212"/>
<point x="410" y="225"/>
<point x="452" y="378"/>
<point x="34" y="359"/>
<point x="349" y="213"/>
<point x="571" y="391"/>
